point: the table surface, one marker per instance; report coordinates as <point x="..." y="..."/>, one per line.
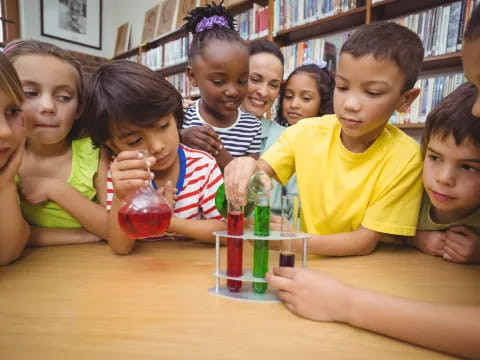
<point x="84" y="302"/>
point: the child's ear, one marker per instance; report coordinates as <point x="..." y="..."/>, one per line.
<point x="407" y="98"/>
<point x="191" y="76"/>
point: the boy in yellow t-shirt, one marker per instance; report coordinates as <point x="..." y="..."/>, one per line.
<point x="358" y="177"/>
<point x="449" y="222"/>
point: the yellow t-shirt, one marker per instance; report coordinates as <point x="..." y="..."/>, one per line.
<point x="339" y="190"/>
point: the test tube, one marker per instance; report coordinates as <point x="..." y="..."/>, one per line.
<point x="260" y="247"/>
<point x="234" y="245"/>
<point x="290" y="211"/>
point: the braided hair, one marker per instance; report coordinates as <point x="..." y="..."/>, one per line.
<point x="325" y="84"/>
<point x="202" y="35"/>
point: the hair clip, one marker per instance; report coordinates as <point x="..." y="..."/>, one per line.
<point x="211" y="22"/>
<point x="320" y="63"/>
<point x="12" y="46"/>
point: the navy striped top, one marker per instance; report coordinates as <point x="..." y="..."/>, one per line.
<point x="243" y="137"/>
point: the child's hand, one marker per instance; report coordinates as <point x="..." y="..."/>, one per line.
<point x="313" y="295"/>
<point x="237" y="176"/>
<point x="38" y="189"/>
<point x="169" y="192"/>
<point x="186" y="103"/>
<point x="203" y="138"/>
<point x="430" y="242"/>
<point x="129" y="172"/>
<point x="7" y="173"/>
<point x="462" y="245"/>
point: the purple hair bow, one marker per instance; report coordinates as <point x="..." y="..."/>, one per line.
<point x="211" y="22"/>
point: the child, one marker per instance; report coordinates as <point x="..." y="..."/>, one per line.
<point x="218" y="66"/>
<point x="61" y="176"/>
<point x="14" y="231"/>
<point x="358" y="176"/>
<point x="449" y="222"/>
<point x="129" y="108"/>
<point x="449" y="328"/>
<point x="308" y="92"/>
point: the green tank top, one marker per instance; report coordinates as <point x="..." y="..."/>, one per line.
<point x="84" y="168"/>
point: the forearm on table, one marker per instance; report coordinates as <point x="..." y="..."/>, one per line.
<point x="90" y="215"/>
<point x="40" y="236"/>
<point x="201" y="230"/>
<point x="14" y="230"/>
<point x="447" y="328"/>
<point x="119" y="242"/>
<point x="359" y="242"/>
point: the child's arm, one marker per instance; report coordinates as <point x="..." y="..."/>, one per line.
<point x="41" y="236"/>
<point x="92" y="216"/>
<point x="197" y="229"/>
<point x="358" y="242"/>
<point x="321" y="297"/>
<point x="14" y="230"/>
<point x="202" y="138"/>
<point x="430" y="242"/>
<point x="462" y="245"/>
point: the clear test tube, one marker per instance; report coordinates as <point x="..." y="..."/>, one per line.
<point x="289" y="226"/>
<point x="234" y="245"/>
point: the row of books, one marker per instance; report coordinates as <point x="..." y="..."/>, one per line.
<point x="432" y="90"/>
<point x="441" y="28"/>
<point x="313" y="49"/>
<point x="290" y="13"/>
<point x="182" y="84"/>
<point x="253" y="23"/>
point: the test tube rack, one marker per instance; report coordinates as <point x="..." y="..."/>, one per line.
<point x="246" y="293"/>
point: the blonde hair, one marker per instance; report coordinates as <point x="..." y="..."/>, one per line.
<point x="9" y="82"/>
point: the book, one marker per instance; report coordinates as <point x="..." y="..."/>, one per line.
<point x="123" y="39"/>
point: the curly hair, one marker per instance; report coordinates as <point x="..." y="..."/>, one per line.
<point x="202" y="38"/>
<point x="325" y="83"/>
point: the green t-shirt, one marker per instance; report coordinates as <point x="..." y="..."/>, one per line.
<point x="84" y="168"/>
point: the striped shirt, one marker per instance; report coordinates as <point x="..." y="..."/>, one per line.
<point x="197" y="184"/>
<point x="241" y="138"/>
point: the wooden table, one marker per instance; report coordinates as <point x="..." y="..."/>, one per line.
<point x="83" y="302"/>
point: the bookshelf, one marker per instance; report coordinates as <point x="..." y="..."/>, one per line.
<point x="332" y="22"/>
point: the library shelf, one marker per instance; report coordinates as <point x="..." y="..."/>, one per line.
<point x="342" y="21"/>
<point x="452" y="61"/>
<point x="173" y="69"/>
<point x="389" y="9"/>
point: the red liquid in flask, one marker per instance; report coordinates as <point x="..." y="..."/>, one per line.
<point x="234" y="250"/>
<point x="145" y="222"/>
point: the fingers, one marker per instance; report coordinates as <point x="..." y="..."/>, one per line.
<point x="279" y="282"/>
<point x="237" y="176"/>
<point x="287" y="298"/>
<point x="286" y="272"/>
<point x="202" y="137"/>
<point x="452" y="254"/>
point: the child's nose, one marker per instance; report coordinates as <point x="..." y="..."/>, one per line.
<point x="231" y="91"/>
<point x="295" y="103"/>
<point x="446" y="176"/>
<point x="351" y="103"/>
<point x="47" y="104"/>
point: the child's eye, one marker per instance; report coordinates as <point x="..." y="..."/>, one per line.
<point x="218" y="82"/>
<point x="243" y="81"/>
<point x="306" y="99"/>
<point x="340" y="87"/>
<point x="469" y="168"/>
<point x="135" y="142"/>
<point x="30" y="93"/>
<point x="13" y="112"/>
<point x="434" y="157"/>
<point x="374" y="93"/>
<point x="64" y="98"/>
<point x="288" y="97"/>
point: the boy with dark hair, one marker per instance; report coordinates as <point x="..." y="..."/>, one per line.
<point x="130" y="108"/>
<point x="449" y="222"/>
<point x="358" y="176"/>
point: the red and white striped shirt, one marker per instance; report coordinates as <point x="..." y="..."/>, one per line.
<point x="197" y="187"/>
